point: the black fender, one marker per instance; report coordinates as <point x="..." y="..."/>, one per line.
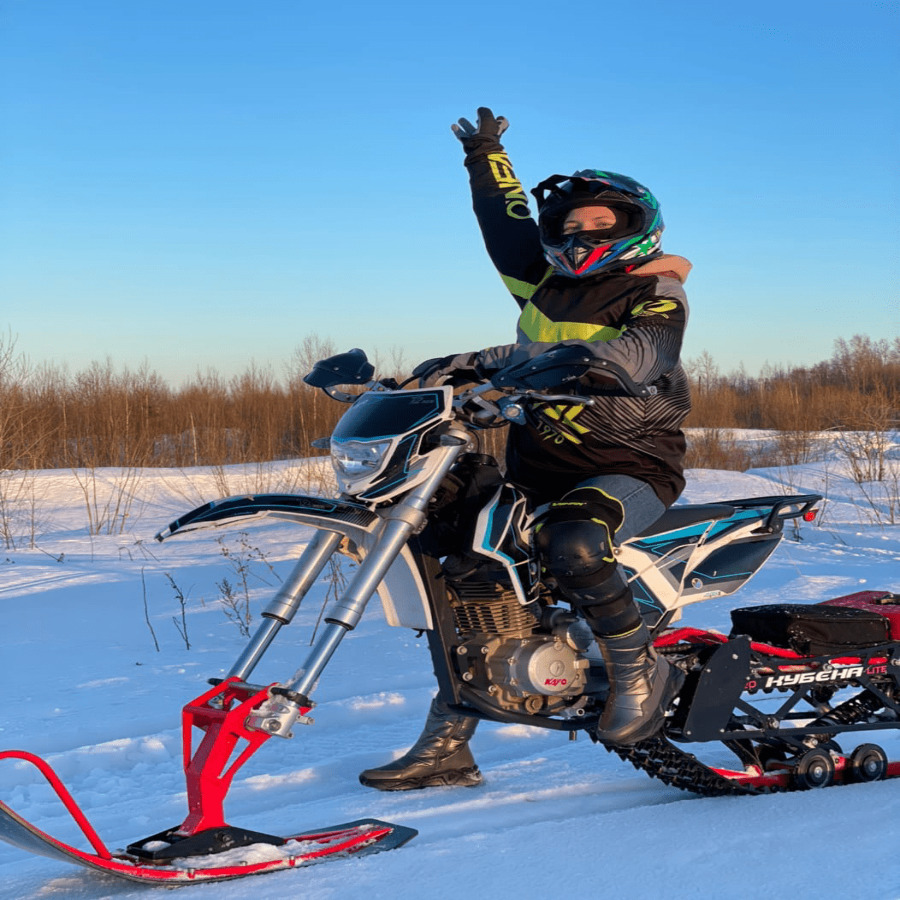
<point x="402" y="591"/>
<point x="352" y="519"/>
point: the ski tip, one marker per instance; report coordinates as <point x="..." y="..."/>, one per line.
<point x="399" y="834"/>
<point x="384" y="835"/>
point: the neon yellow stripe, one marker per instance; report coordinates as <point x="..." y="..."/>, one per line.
<point x="524" y="289"/>
<point x="537" y="327"/>
<point x="616" y="500"/>
<point x="623" y="634"/>
<point x="654" y="308"/>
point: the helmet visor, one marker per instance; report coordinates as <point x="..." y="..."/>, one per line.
<point x="557" y="228"/>
<point x="560" y="195"/>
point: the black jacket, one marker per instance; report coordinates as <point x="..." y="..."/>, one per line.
<point x="632" y="318"/>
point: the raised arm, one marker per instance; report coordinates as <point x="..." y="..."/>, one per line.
<point x="501" y="207"/>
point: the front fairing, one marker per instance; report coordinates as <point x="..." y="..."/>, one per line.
<point x="393" y="424"/>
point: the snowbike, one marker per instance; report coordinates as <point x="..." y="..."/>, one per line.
<point x="435" y="531"/>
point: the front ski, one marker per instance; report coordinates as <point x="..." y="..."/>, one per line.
<point x="356" y="838"/>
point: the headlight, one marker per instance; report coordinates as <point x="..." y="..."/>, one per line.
<point x="356" y="458"/>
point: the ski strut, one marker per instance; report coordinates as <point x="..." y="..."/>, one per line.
<point x="221" y="714"/>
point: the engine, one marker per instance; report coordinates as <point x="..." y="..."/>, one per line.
<point x="532" y="658"/>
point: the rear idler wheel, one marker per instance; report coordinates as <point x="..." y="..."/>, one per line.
<point x="815" y="770"/>
<point x="868" y="762"/>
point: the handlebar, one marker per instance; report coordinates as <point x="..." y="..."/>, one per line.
<point x="519" y="386"/>
<point x="486" y="412"/>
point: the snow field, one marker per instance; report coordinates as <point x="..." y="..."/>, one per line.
<point x="86" y="688"/>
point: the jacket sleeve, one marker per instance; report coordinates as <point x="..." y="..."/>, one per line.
<point x="646" y="348"/>
<point x="501" y="207"/>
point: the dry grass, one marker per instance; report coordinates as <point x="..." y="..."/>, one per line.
<point x="104" y="417"/>
<point x="856" y="394"/>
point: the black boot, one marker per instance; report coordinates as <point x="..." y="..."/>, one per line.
<point x="641" y="685"/>
<point x="440" y="757"/>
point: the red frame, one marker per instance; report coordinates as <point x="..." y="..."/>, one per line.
<point x="221" y="714"/>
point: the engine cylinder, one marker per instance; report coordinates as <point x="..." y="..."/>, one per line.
<point x="487" y="608"/>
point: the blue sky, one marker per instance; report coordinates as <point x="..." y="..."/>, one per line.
<point x="200" y="184"/>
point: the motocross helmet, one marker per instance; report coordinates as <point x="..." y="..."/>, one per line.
<point x="635" y="236"/>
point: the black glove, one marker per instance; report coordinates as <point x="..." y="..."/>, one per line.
<point x="456" y="367"/>
<point x="487" y="126"/>
<point x="560" y="366"/>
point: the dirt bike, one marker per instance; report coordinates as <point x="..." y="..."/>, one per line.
<point x="444" y="542"/>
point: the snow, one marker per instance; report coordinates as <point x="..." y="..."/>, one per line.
<point x="86" y="688"/>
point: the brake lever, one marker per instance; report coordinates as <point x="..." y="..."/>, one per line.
<point x="572" y="399"/>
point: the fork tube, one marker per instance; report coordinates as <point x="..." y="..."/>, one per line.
<point x="346" y="612"/>
<point x="305" y="678"/>
<point x="402" y="521"/>
<point x="284" y="605"/>
<point x="286" y="602"/>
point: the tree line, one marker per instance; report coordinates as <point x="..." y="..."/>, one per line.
<point x="850" y="401"/>
<point x="108" y="416"/>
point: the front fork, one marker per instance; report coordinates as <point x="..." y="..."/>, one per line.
<point x="284" y="605"/>
<point x="236" y="711"/>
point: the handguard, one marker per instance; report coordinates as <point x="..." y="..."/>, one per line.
<point x="568" y="363"/>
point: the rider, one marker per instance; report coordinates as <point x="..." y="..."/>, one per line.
<point x="597" y="474"/>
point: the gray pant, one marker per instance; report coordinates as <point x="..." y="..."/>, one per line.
<point x="642" y="506"/>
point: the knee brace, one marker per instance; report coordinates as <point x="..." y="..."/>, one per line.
<point x="574" y="538"/>
<point x="609" y="606"/>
